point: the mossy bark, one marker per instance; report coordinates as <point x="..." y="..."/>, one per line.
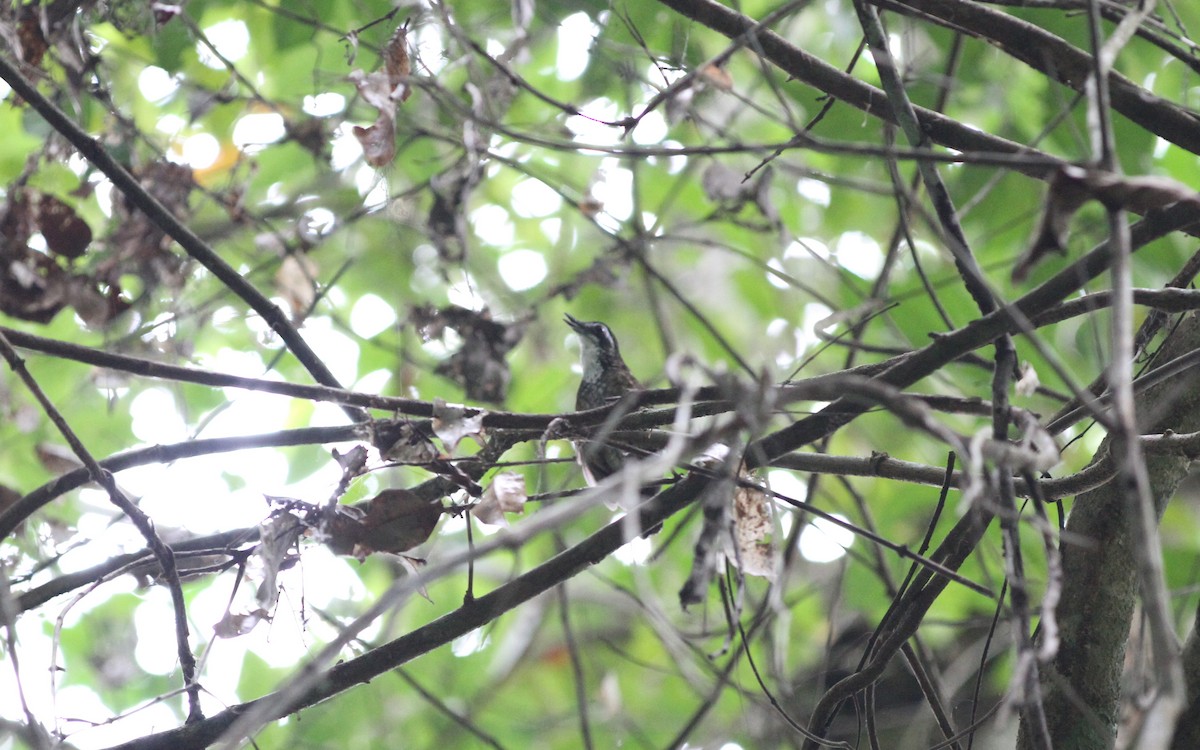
<point x="1082" y="688"/>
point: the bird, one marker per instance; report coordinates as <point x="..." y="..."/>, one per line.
<point x="605" y="379"/>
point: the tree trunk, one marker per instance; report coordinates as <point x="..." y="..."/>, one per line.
<point x="1082" y="687"/>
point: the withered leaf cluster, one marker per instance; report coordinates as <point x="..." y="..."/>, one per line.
<point x="479" y="365"/>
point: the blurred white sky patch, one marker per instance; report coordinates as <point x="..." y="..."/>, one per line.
<point x="588" y="130"/>
<point x="859" y="253"/>
<point x="533" y="199"/>
<point x="635" y="552"/>
<point x="324" y="105"/>
<point x="651" y="129"/>
<point x="155" y="417"/>
<point x="255" y="131"/>
<point x="522" y="269"/>
<point x="198" y="151"/>
<point x="492" y="224"/>
<point x="575" y="36"/>
<point x="231" y="38"/>
<point x="338" y="351"/>
<point x="156" y="84"/>
<point x="615" y="189"/>
<point x="371" y="316"/>
<point x="471" y="643"/>
<point x="347" y="149"/>
<point x="823" y="541"/>
<point x="814" y="191"/>
<point x="788" y="484"/>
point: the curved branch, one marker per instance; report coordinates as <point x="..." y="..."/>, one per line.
<point x="27" y="505"/>
<point x="886" y="467"/>
<point x="1053" y="57"/>
<point x="441" y="631"/>
<point x="907" y="370"/>
<point x="840" y="85"/>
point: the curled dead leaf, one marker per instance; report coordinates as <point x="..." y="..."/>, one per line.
<point x="506" y="494"/>
<point x="66" y="234"/>
<point x="405" y="442"/>
<point x="1072" y="186"/>
<point x="397" y="63"/>
<point x="453" y="422"/>
<point x="752" y="529"/>
<point x="394" y="521"/>
<point x="378" y="142"/>
<point x="383" y="89"/>
<point x="233" y="625"/>
<point x="278" y="537"/>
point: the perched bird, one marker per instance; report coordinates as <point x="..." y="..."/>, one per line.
<point x="605" y="379"/>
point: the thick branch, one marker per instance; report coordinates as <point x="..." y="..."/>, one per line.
<point x="1055" y="58"/>
<point x="478" y="612"/>
<point x="1100" y="570"/>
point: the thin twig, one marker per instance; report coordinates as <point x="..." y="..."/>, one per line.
<point x="145" y="526"/>
<point x="94" y="152"/>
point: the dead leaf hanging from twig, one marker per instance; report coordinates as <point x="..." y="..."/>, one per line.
<point x="506" y="494"/>
<point x="453" y="422"/>
<point x="752" y="530"/>
<point x="384" y="90"/>
<point x="1071" y="187"/>
<point x="394" y="521"/>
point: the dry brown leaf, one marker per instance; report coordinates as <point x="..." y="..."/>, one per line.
<point x="716" y="76"/>
<point x="506" y="494"/>
<point x="378" y="142"/>
<point x="394" y="521"/>
<point x="66" y="234"/>
<point x="451" y="424"/>
<point x="590" y="206"/>
<point x="278" y="537"/>
<point x="1071" y="187"/>
<point x="395" y="58"/>
<point x="752" y="529"/>
<point x="295" y="282"/>
<point x="233" y="625"/>
<point x="383" y="90"/>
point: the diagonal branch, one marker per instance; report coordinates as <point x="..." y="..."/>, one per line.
<point x="480" y="611"/>
<point x="166" y="558"/>
<point x="91" y="149"/>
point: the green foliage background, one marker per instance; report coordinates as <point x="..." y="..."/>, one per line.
<point x="682" y="274"/>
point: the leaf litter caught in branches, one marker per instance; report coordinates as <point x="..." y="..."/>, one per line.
<point x="394" y="521"/>
<point x="411" y="443"/>
<point x="384" y="90"/>
<point x="405" y="441"/>
<point x="279" y="538"/>
<point x="451" y="423"/>
<point x="506" y="494"/>
<point x="479" y="365"/>
<point x="752" y="550"/>
<point x="1071" y="187"/>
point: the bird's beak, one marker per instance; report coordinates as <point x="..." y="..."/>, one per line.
<point x="575" y="324"/>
